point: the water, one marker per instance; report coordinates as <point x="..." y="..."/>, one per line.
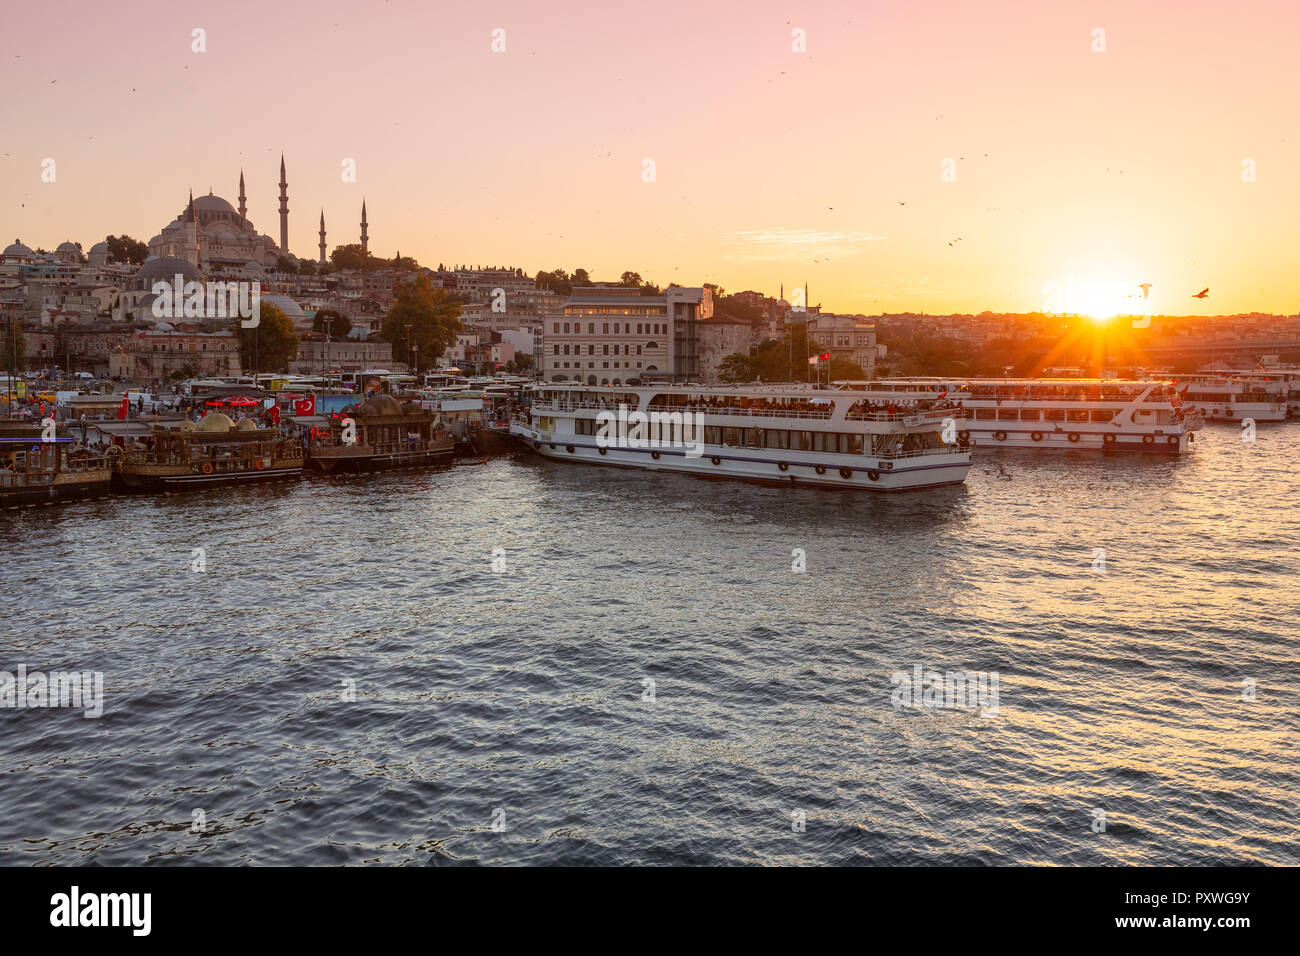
<point x="522" y="692"/>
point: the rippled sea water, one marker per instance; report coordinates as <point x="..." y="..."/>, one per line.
<point x="516" y="699"/>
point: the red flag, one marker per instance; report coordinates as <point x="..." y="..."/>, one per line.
<point x="824" y="357"/>
<point x="305" y="406"/>
<point x="275" y="414"/>
<point x="121" y="412"/>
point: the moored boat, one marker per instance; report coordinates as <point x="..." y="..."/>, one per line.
<point x="39" y="470"/>
<point x="380" y="433"/>
<point x="215" y="451"/>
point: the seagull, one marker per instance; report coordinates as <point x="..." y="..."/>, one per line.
<point x="902" y="203"/>
<point x="1203" y="293"/>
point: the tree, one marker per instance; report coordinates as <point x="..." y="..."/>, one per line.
<point x="339" y="324"/>
<point x="631" y="279"/>
<point x="521" y="364"/>
<point x="580" y="278"/>
<point x="350" y="257"/>
<point x="432" y="316"/>
<point x="306" y="267"/>
<point x="285" y="264"/>
<point x="124" y="249"/>
<point x="270" y="344"/>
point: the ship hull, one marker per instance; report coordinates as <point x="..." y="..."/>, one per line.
<point x="191" y="481"/>
<point x="1086" y="438"/>
<point x="762" y="467"/>
<point x="97" y="486"/>
<point x="387" y="461"/>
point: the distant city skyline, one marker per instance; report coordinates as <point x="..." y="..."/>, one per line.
<point x="773" y="165"/>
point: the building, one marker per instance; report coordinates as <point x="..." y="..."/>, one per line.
<point x="722" y="335"/>
<point x="166" y="354"/>
<point x="850" y="338"/>
<point x="318" y="357"/>
<point x="613" y="335"/>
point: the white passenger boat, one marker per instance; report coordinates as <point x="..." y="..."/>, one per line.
<point x="1235" y="396"/>
<point x="1060" y="413"/>
<point x="791" y="434"/>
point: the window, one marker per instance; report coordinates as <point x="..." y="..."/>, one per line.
<point x="557" y="328"/>
<point x="638" y="352"/>
<point x="591" y="328"/>
<point x="606" y="349"/>
<point x="638" y="328"/>
<point x="566" y="328"/>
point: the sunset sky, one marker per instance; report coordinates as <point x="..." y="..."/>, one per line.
<point x="772" y="166"/>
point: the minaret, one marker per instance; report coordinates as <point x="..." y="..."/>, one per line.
<point x="191" y="253"/>
<point x="365" y="240"/>
<point x="284" y="210"/>
<point x="243" y="201"/>
<point x="322" y="237"/>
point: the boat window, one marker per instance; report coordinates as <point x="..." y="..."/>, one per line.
<point x="1077" y="414"/>
<point x="1008" y="415"/>
<point x="986" y="414"/>
<point x="1102" y="415"/>
<point x="1029" y="414"/>
<point x="1053" y="414"/>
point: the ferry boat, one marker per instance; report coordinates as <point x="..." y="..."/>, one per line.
<point x="385" y="434"/>
<point x="216" y="451"/>
<point x="1236" y="396"/>
<point x="37" y="471"/>
<point x="772" y="434"/>
<point x="1061" y="413"/>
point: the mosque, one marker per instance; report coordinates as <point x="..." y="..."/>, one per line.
<point x="212" y="235"/>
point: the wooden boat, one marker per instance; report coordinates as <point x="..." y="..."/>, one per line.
<point x="380" y="433"/>
<point x="216" y="451"/>
<point x="36" y="471"/>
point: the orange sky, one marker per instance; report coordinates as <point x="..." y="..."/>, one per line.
<point x="772" y="166"/>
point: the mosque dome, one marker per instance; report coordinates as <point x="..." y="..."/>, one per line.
<point x="99" y="247"/>
<point x="253" y="268"/>
<point x="165" y="269"/>
<point x="18" y="249"/>
<point x="161" y="326"/>
<point x="211" y="203"/>
<point x="70" y="247"/>
<point x="98" y="254"/>
<point x="215" y="422"/>
<point x="246" y="425"/>
<point x="292" y="311"/>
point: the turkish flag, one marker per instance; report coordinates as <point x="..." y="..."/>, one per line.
<point x="305" y="406"/>
<point x="275" y="414"/>
<point x="121" y="412"/>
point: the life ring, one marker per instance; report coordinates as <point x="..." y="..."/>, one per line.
<point x="569" y="449"/>
<point x="1037" y="436"/>
<point x="654" y="455"/>
<point x="552" y="446"/>
<point x="963" y="436"/>
<point x="259" y="464"/>
<point x="846" y="472"/>
<point x="873" y="474"/>
<point x="1000" y="435"/>
<point x="1148" y="439"/>
<point x="602" y="450"/>
<point x="537" y="446"/>
<point x="207" y="468"/>
<point x="1173" y="439"/>
<point x="1108" y="439"/>
<point x="716" y="460"/>
<point x="783" y="465"/>
<point x="820" y="469"/>
<point x="1074" y="436"/>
